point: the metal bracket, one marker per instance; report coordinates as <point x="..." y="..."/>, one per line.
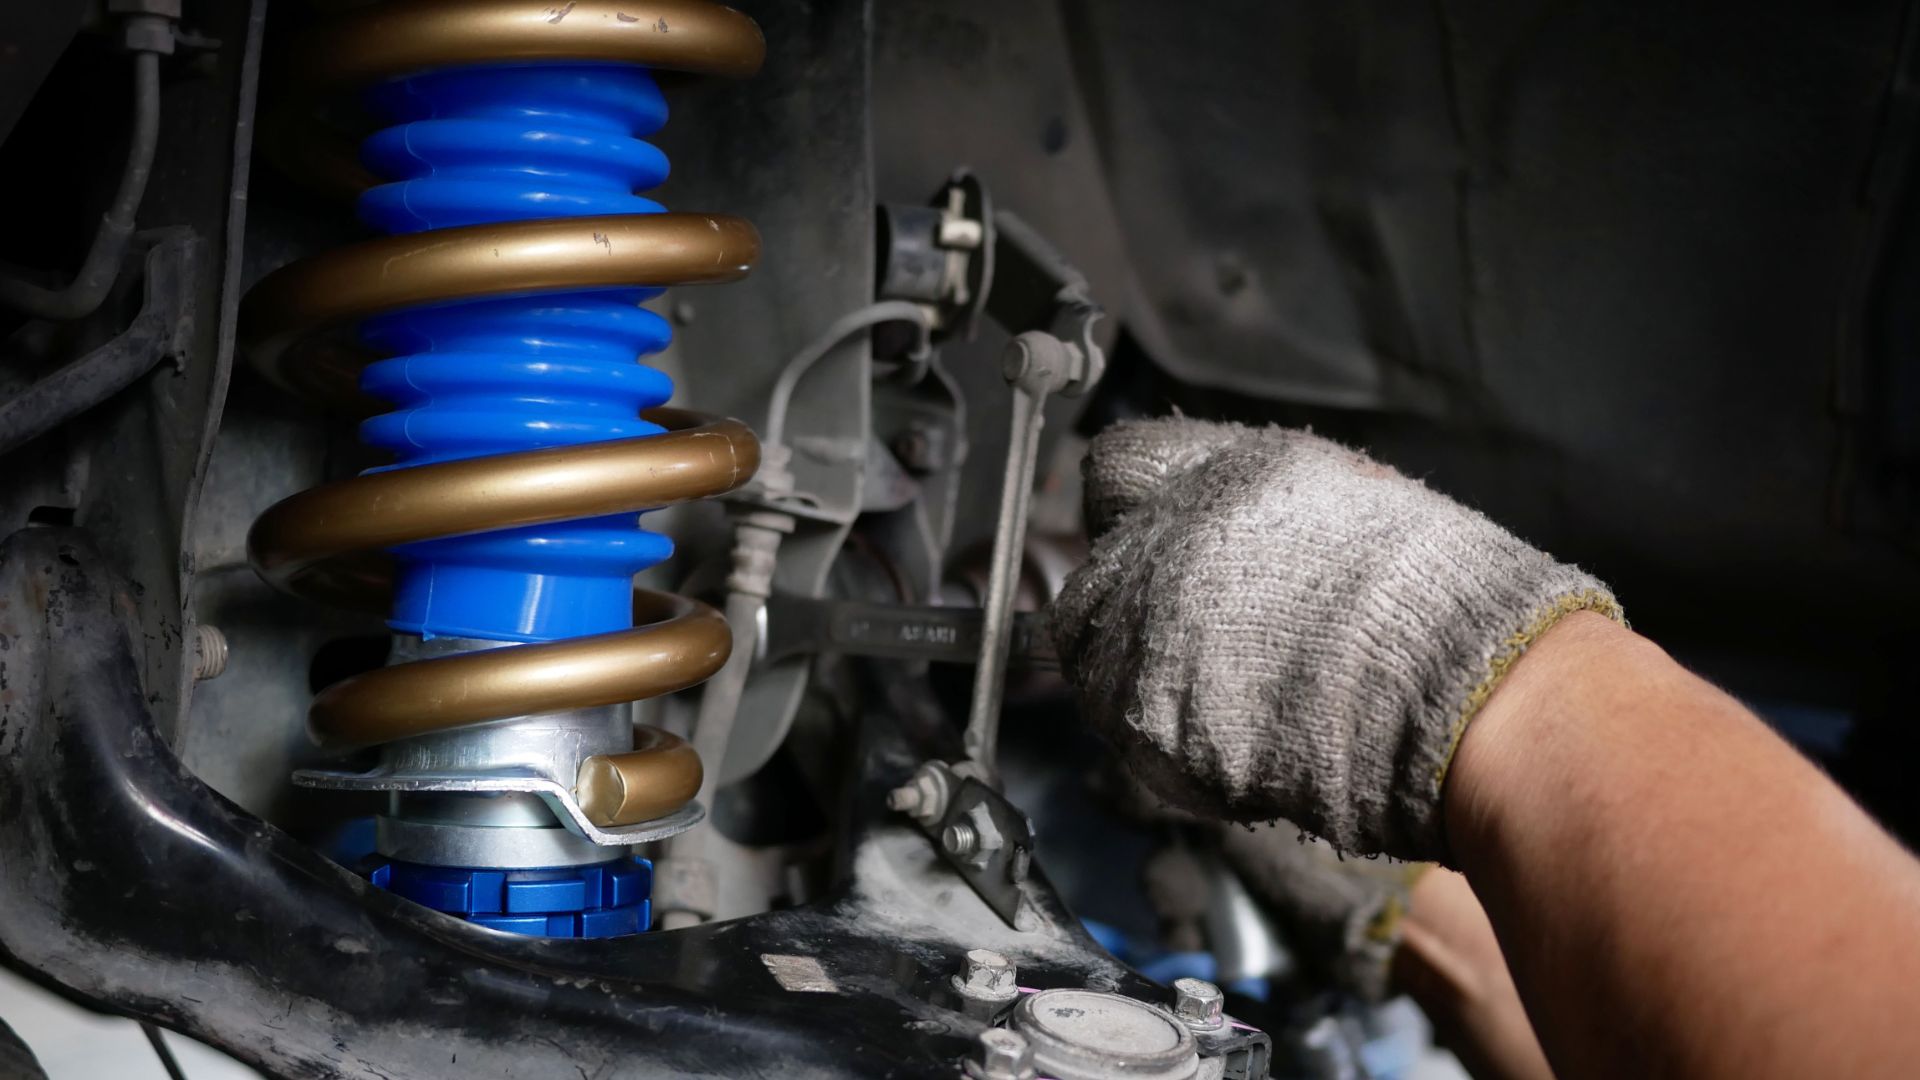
<point x="557" y="795"/>
<point x="987" y="839"/>
<point x="941" y="255"/>
<point x="1247" y="1052"/>
<point x="990" y="842"/>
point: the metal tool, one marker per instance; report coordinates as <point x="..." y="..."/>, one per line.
<point x="798" y="625"/>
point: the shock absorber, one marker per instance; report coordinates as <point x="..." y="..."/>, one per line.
<point x="501" y="312"/>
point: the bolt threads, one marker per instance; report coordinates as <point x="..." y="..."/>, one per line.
<point x="209" y="652"/>
<point x="960" y="839"/>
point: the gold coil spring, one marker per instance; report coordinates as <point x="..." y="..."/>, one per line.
<point x="329" y="542"/>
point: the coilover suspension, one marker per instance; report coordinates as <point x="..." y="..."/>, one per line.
<point x="503" y="305"/>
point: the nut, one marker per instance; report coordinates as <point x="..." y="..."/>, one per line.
<point x="924" y="797"/>
<point x="987" y="976"/>
<point x="1198" y="1003"/>
<point x="1000" y="1055"/>
<point x="973" y="837"/>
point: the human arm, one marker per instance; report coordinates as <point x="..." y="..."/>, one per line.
<point x="1270" y="625"/>
<point x="1377" y="927"/>
<point x="1677" y="891"/>
<point x="1450" y="963"/>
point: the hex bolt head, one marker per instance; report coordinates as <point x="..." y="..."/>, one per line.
<point x="987" y="976"/>
<point x="1000" y="1054"/>
<point x="960" y="839"/>
<point x="1199" y="1004"/>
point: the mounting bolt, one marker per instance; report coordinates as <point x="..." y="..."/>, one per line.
<point x="209" y="652"/>
<point x="987" y="976"/>
<point x="1000" y="1055"/>
<point x="1199" y="1004"/>
<point x="960" y="840"/>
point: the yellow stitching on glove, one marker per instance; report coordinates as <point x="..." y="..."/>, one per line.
<point x="1385" y="925"/>
<point x="1509" y="653"/>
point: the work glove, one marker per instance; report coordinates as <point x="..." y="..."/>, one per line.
<point x="1273" y="626"/>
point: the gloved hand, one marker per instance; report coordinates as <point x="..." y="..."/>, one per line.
<point x="1273" y="626"/>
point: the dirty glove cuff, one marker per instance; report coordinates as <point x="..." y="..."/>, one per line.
<point x="1274" y="626"/>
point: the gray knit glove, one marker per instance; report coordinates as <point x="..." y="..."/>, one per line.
<point x="1273" y="626"/>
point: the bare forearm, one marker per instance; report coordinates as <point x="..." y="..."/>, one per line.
<point x="1450" y="963"/>
<point x="1673" y="886"/>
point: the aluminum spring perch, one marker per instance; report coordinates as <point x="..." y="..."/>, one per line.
<point x="504" y="304"/>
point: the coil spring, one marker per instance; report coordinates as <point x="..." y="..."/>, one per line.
<point x="525" y="436"/>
